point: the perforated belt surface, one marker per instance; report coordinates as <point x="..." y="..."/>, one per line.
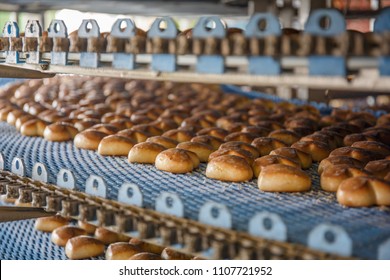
<point x="301" y="212"/>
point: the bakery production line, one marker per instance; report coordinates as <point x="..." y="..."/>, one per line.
<point x="134" y="141"/>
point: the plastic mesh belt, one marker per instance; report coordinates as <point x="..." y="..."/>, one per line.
<point x="20" y="241"/>
<point x="368" y="227"/>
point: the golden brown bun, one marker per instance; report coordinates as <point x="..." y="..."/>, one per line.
<point x="376" y="147"/>
<point x="176" y="161"/>
<point x="83" y="247"/>
<point x="287" y="136"/>
<point x="59" y="132"/>
<point x="338" y="160"/>
<point x="334" y="175"/>
<point x="82" y="125"/>
<point x="283" y="178"/>
<point x="137" y="136"/>
<point x="121" y="251"/>
<point x="179" y="135"/>
<point x="146" y="247"/>
<point x="209" y="140"/>
<point x="378" y="168"/>
<point x="202" y="150"/>
<point x="145" y="256"/>
<point x="148" y="128"/>
<point x="357" y="153"/>
<point x="48" y="224"/>
<point x="13" y="116"/>
<point x="115" y="145"/>
<point x="21" y="120"/>
<point x="145" y="152"/>
<point x="259" y="163"/>
<point x="89" y="228"/>
<point x="61" y="235"/>
<point x="357" y="137"/>
<point x="322" y="137"/>
<point x="241" y="137"/>
<point x="317" y="150"/>
<point x="89" y="139"/>
<point x="170" y="254"/>
<point x="105" y="128"/>
<point x="303" y="158"/>
<point x="213" y="131"/>
<point x="364" y="192"/>
<point x="265" y="145"/>
<point x="168" y="143"/>
<point x="33" y="127"/>
<point x="229" y="168"/>
<point x="241" y="145"/>
<point x="235" y="152"/>
<point x="107" y="236"/>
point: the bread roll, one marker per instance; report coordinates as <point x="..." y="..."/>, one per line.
<point x="176" y="161"/>
<point x="145" y="256"/>
<point x="321" y="137"/>
<point x="115" y="145"/>
<point x="34" y="127"/>
<point x="61" y="235"/>
<point x="202" y="150"/>
<point x="241" y="137"/>
<point x="145" y="152"/>
<point x="233" y="151"/>
<point x="283" y="178"/>
<point x="357" y="137"/>
<point x="229" y="168"/>
<point x="21" y="120"/>
<point x="146" y="246"/>
<point x="333" y="176"/>
<point x="82" y="125"/>
<point x="48" y="224"/>
<point x="378" y="168"/>
<point x="339" y="160"/>
<point x="105" y="128"/>
<point x="58" y="132"/>
<point x="303" y="158"/>
<point x="373" y="146"/>
<point x="168" y="143"/>
<point x="89" y="139"/>
<point x="364" y="192"/>
<point x="137" y="136"/>
<point x="179" y="135"/>
<point x="170" y="254"/>
<point x="356" y="153"/>
<point x="89" y="228"/>
<point x="317" y="150"/>
<point x="83" y="247"/>
<point x="209" y="140"/>
<point x="287" y="136"/>
<point x="148" y="128"/>
<point x="265" y="145"/>
<point x="259" y="163"/>
<point x="121" y="251"/>
<point x="13" y="116"/>
<point x="241" y="145"/>
<point x="107" y="236"/>
<point x="213" y="131"/>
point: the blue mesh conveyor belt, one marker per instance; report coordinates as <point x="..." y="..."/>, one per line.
<point x="368" y="227"/>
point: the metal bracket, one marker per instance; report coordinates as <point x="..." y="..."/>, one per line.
<point x="96" y="186"/>
<point x="330" y="238"/>
<point x="11" y="30"/>
<point x="18" y="167"/>
<point x="66" y="179"/>
<point x="210" y="27"/>
<point x="216" y="214"/>
<point x="163" y="62"/>
<point x="260" y="26"/>
<point x="268" y="225"/>
<point x="384" y="250"/>
<point x="89" y="59"/>
<point x="130" y="194"/>
<point x="39" y="172"/>
<point x="2" y="165"/>
<point x="58" y="29"/>
<point x="33" y="30"/>
<point x="123" y="60"/>
<point x="170" y="203"/>
<point x="326" y="65"/>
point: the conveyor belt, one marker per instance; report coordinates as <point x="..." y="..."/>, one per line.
<point x="367" y="227"/>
